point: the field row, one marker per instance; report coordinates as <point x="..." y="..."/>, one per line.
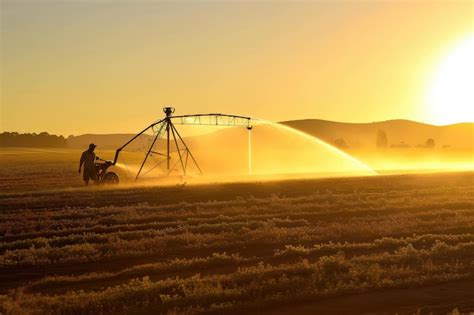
<point x="80" y="235"/>
<point x="236" y="247"/>
<point x="252" y="286"/>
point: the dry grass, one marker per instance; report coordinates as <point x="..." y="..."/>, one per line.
<point x="232" y="247"/>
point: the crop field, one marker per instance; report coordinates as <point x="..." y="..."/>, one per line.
<point x="380" y="245"/>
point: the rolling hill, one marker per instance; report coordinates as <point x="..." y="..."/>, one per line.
<point x="398" y="132"/>
<point x="106" y="141"/>
<point x="355" y="135"/>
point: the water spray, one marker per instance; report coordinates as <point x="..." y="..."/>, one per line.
<point x="318" y="141"/>
<point x="177" y="158"/>
<point x="249" y="128"/>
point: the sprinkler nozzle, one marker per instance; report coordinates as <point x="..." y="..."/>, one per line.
<point x="168" y="111"/>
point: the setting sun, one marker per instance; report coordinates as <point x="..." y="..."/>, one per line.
<point x="451" y="94"/>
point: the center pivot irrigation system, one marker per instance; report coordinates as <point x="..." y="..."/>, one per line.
<point x="174" y="142"/>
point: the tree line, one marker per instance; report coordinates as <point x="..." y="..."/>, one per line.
<point x="382" y="142"/>
<point x="41" y="140"/>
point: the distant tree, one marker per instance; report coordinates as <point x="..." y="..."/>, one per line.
<point x="430" y="143"/>
<point x="382" y="140"/>
<point x="341" y="143"/>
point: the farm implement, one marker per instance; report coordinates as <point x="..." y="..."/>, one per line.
<point x="174" y="154"/>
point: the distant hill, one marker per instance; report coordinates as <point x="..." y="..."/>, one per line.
<point x="354" y="135"/>
<point x="107" y="141"/>
<point x="398" y="132"/>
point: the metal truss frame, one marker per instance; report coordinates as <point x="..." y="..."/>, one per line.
<point x="167" y="126"/>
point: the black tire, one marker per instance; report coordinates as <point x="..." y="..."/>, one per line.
<point x="110" y="178"/>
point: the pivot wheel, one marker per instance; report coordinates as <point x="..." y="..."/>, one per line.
<point x="110" y="178"/>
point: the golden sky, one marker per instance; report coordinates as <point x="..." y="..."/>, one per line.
<point x="72" y="67"/>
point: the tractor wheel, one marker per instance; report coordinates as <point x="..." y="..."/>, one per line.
<point x="110" y="178"/>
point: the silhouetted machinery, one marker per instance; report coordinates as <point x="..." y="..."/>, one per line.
<point x="103" y="175"/>
<point x="175" y="143"/>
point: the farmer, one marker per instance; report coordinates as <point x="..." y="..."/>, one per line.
<point x="88" y="158"/>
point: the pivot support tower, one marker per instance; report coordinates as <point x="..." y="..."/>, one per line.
<point x="166" y="128"/>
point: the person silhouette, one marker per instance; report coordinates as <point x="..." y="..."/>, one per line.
<point x="88" y="158"/>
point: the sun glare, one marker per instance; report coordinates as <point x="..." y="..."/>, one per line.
<point x="451" y="94"/>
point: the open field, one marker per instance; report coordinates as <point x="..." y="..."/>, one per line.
<point x="30" y="169"/>
<point x="382" y="244"/>
<point x="27" y="169"/>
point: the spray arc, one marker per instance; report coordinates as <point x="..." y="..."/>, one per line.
<point x="275" y="150"/>
<point x="174" y="144"/>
